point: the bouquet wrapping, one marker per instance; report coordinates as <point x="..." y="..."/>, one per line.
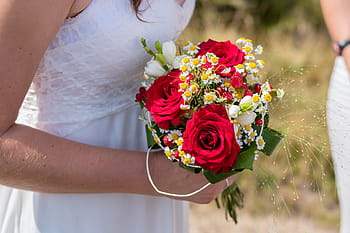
<point x="206" y="107"/>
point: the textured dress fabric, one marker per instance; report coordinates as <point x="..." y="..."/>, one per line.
<point x="338" y="117"/>
<point x="84" y="90"/>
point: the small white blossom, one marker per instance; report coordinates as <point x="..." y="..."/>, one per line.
<point x="169" y="51"/>
<point x="154" y="68"/>
<point x="246" y="118"/>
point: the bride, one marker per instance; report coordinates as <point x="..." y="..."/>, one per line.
<point x="336" y="14"/>
<point x="72" y="148"/>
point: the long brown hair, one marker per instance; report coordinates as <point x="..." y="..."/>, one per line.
<point x="135" y="5"/>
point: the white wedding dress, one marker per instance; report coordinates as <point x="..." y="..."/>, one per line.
<point x="338" y="117"/>
<point x="84" y="90"/>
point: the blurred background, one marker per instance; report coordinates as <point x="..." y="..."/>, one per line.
<point x="294" y="190"/>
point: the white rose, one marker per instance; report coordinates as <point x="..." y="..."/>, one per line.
<point x="246" y="118"/>
<point x="233" y="111"/>
<point x="169" y="51"/>
<point x="154" y="68"/>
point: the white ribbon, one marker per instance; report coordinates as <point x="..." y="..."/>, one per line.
<point x="166" y="193"/>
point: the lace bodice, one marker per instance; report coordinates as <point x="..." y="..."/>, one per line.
<point x="94" y="66"/>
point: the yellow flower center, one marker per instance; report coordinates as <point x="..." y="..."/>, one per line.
<point x="247" y="127"/>
<point x="261" y="142"/>
<point x="204" y="77"/>
<point x="179" y="142"/>
<point x="187" y="94"/>
<point x="182" y="153"/>
<point x="187" y="43"/>
<point x="262" y="62"/>
<point x="149" y="128"/>
<point x="239" y="95"/>
<point x="183" y="78"/>
<point x="196" y="61"/>
<point x="183" y="68"/>
<point x="185" y="60"/>
<point x="193" y="48"/>
<point x="256" y="99"/>
<point x="208" y="97"/>
<point x="183" y="86"/>
<point x="214" y="60"/>
<point x="252" y="65"/>
<point x="174" y="137"/>
<point x="252" y="134"/>
<point x="156" y="140"/>
<point x="168" y="154"/>
<point x="227" y="84"/>
<point x="187" y="161"/>
<point x="267" y="97"/>
<point x="204" y="59"/>
<point x="194" y="88"/>
<point x="249" y="40"/>
<point x="247" y="49"/>
<point x="240" y="66"/>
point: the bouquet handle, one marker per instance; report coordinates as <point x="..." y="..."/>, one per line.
<point x="167" y="193"/>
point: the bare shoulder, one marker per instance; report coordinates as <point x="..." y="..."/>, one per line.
<point x="26" y="29"/>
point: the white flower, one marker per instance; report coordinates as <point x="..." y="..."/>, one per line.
<point x="154" y="68"/>
<point x="177" y="61"/>
<point x="209" y="98"/>
<point x="259" y="50"/>
<point x="280" y="93"/>
<point x="260" y="142"/>
<point x="233" y="111"/>
<point x="246" y="118"/>
<point x="188" y="159"/>
<point x="169" y="51"/>
<point x="261" y="63"/>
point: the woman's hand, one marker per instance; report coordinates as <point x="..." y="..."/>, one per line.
<point x="177" y="180"/>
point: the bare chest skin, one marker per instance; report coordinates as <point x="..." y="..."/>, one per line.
<point x="80" y="5"/>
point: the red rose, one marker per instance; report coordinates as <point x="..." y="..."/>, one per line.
<point x="210" y="138"/>
<point x="163" y="100"/>
<point x="236" y="80"/>
<point x="141" y="95"/>
<point x="229" y="54"/>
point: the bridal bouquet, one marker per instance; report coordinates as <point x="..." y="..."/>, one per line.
<point x="206" y="108"/>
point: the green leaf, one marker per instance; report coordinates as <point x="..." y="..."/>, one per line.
<point x="159" y="47"/>
<point x="150" y="140"/>
<point x="272" y="140"/>
<point x="215" y="178"/>
<point x="191" y="169"/>
<point x="246" y="159"/>
<point x="145" y="47"/>
<point x="231" y="199"/>
<point x="161" y="59"/>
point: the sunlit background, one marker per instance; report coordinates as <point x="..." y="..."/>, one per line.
<point x="294" y="190"/>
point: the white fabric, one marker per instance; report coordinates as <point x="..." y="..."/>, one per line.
<point x="84" y="90"/>
<point x="338" y="117"/>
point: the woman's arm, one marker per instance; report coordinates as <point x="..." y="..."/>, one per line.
<point x="337" y="17"/>
<point x="34" y="160"/>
